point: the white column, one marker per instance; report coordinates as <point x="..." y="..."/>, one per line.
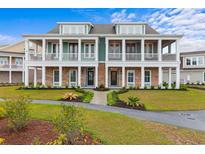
<point x="177" y="51"/>
<point x="43" y="75"/>
<point x="170" y="78"/>
<point x="160" y="50"/>
<point x="35" y="76"/>
<point x="123" y="76"/>
<point x="123" y="50"/>
<point x="106" y="76"/>
<point x="142" y="50"/>
<point x="60" y="76"/>
<point x="43" y="49"/>
<point x="60" y="49"/>
<point x="26" y="83"/>
<point x="26" y="49"/>
<point x="142" y="77"/>
<point x="106" y="49"/>
<point x="10" y="77"/>
<point x="79" y="76"/>
<point x="96" y="49"/>
<point x="178" y="77"/>
<point x="23" y="76"/>
<point x="79" y="49"/>
<point x="160" y="76"/>
<point x="10" y="62"/>
<point x="96" y="76"/>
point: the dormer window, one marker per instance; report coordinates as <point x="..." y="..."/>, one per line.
<point x="130" y="29"/>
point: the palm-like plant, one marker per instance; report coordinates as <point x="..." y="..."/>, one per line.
<point x="133" y="101"/>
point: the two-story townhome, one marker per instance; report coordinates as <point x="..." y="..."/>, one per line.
<point x="115" y="55"/>
<point x="11" y="63"/>
<point x="193" y="67"/>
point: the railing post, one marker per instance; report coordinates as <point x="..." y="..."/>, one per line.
<point x="79" y="49"/>
<point x="43" y="49"/>
<point x="142" y="77"/>
<point x="106" y="49"/>
<point x="160" y="50"/>
<point x="96" y="49"/>
<point x="123" y="50"/>
<point x="60" y="49"/>
<point x="142" y="49"/>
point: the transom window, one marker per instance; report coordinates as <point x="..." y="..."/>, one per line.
<point x="194" y="61"/>
<point x="4" y="61"/>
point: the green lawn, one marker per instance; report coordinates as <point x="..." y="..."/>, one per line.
<point x="113" y="128"/>
<point x="192" y="99"/>
<point x="11" y="92"/>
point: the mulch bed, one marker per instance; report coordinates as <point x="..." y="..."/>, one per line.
<point x="124" y="105"/>
<point x="78" y="99"/>
<point x="43" y="130"/>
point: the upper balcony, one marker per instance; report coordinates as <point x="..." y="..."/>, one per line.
<point x="63" y="50"/>
<point x="141" y="50"/>
<point x="11" y="63"/>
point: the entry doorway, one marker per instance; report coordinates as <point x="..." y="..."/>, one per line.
<point x="90" y="75"/>
<point x="114" y="75"/>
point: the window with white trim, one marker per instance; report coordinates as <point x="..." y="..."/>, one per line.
<point x="18" y="61"/>
<point x="73" y="29"/>
<point x="4" y="61"/>
<point x="55" y="77"/>
<point x="147" y="78"/>
<point x="149" y="50"/>
<point x="204" y="76"/>
<point x="130" y="78"/>
<point x="89" y="50"/>
<point x="195" y="61"/>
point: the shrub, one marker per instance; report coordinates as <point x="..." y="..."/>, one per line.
<point x="133" y="101"/>
<point x="1" y="112"/>
<point x="112" y="98"/>
<point x="79" y="90"/>
<point x="173" y="85"/>
<point x="17" y="112"/>
<point x="159" y="87"/>
<point x="69" y="122"/>
<point x="70" y="96"/>
<point x="183" y="87"/>
<point x="122" y="90"/>
<point x="61" y="140"/>
<point x="87" y="96"/>
<point x="165" y="85"/>
<point x="152" y="87"/>
<point x="145" y="87"/>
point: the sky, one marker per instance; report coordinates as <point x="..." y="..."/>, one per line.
<point x="187" y="22"/>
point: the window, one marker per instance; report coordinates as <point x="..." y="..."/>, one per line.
<point x="188" y="61"/>
<point x="73" y="29"/>
<point x="73" y="76"/>
<point x="130" y="78"/>
<point x="149" y="50"/>
<point x="4" y="61"/>
<point x="194" y="61"/>
<point x="56" y="77"/>
<point x="89" y="50"/>
<point x="19" y="61"/>
<point x="147" y="78"/>
<point x="204" y="76"/>
<point x="130" y="48"/>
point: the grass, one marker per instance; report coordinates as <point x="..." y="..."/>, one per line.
<point x="50" y="94"/>
<point x="192" y="99"/>
<point x="113" y="128"/>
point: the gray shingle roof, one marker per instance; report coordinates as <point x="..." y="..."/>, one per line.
<point x="193" y="52"/>
<point x="105" y="29"/>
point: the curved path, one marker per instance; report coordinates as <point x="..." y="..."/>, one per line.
<point x="187" y="119"/>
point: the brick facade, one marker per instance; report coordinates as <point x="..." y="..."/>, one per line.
<point x="101" y="73"/>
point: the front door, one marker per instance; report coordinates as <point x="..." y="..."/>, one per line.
<point x="73" y="78"/>
<point x="90" y="78"/>
<point x="113" y="78"/>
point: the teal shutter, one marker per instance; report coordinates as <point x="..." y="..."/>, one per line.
<point x="49" y="47"/>
<point x="101" y="49"/>
<point x="65" y="47"/>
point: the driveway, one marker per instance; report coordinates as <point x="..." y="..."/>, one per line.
<point x="187" y="119"/>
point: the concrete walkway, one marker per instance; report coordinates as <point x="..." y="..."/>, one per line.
<point x="187" y="119"/>
<point x="100" y="97"/>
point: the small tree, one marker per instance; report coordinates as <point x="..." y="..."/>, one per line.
<point x="69" y="122"/>
<point x="17" y="112"/>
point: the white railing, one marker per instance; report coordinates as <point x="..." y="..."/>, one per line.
<point x="4" y="66"/>
<point x="70" y="56"/>
<point x="151" y="56"/>
<point x="114" y="56"/>
<point x="169" y="57"/>
<point x="35" y="57"/>
<point x="133" y="56"/>
<point x="52" y="56"/>
<point x="14" y="66"/>
<point x="87" y="56"/>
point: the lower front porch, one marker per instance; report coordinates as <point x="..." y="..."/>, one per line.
<point x="84" y="77"/>
<point x="141" y="77"/>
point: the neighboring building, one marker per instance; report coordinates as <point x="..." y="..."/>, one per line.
<point x="115" y="55"/>
<point x="11" y="63"/>
<point x="193" y="67"/>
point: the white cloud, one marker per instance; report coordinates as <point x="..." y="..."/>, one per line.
<point x="188" y="22"/>
<point x="6" y="39"/>
<point x="122" y="16"/>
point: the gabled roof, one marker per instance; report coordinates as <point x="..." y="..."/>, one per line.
<point x="17" y="47"/>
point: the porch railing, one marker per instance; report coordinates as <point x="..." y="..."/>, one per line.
<point x="114" y="56"/>
<point x="52" y="56"/>
<point x="151" y="56"/>
<point x="169" y="57"/>
<point x="133" y="56"/>
<point x="35" y="57"/>
<point x="87" y="56"/>
<point x="70" y="56"/>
